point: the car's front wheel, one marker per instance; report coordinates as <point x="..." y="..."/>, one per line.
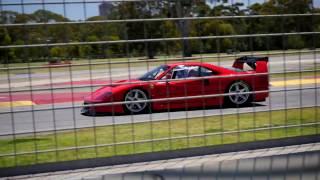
<point x="239" y="94"/>
<point x="135" y="101"/>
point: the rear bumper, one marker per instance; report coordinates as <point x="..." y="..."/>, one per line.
<point x="258" y="97"/>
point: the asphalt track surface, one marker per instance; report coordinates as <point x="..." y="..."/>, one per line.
<point x="69" y="118"/>
<point x="30" y="121"/>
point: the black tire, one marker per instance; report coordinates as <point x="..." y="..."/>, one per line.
<point x="240" y="94"/>
<point x="139" y="107"/>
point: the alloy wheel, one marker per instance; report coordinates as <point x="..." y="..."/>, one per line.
<point x="239" y="91"/>
<point x="136" y="95"/>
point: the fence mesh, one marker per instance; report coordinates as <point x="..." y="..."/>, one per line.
<point x="88" y="79"/>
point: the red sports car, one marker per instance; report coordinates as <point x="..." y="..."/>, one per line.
<point x="185" y="84"/>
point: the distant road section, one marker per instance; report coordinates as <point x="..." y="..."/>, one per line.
<point x="94" y="76"/>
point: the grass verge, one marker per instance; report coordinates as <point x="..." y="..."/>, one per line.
<point x="157" y="136"/>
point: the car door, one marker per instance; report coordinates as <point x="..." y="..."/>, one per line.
<point x="185" y="87"/>
<point x="212" y="86"/>
<point x="181" y="84"/>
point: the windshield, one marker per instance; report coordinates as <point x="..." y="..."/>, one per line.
<point x="153" y="74"/>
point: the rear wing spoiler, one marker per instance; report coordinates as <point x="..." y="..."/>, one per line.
<point x="259" y="64"/>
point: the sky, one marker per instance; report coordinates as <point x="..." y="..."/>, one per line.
<point x="79" y="10"/>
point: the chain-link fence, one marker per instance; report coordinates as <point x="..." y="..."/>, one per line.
<point x="90" y="79"/>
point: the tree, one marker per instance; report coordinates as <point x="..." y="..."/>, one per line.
<point x="114" y="31"/>
<point x="48" y="16"/>
<point x="8" y="17"/>
<point x="58" y="53"/>
<point x="295" y="42"/>
<point x="7" y="55"/>
<point x="140" y="30"/>
<point x="182" y="9"/>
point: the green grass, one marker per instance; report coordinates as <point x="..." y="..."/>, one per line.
<point x="135" y="138"/>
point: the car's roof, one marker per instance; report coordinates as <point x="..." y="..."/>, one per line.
<point x="211" y="66"/>
<point x="204" y="64"/>
<point x="189" y="63"/>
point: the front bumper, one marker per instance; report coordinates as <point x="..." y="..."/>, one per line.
<point x="87" y="109"/>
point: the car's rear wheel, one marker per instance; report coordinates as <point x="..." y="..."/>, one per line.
<point x="133" y="107"/>
<point x="239" y="94"/>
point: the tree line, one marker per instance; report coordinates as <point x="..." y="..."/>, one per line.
<point x="113" y="31"/>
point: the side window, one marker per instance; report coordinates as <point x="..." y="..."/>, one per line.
<point x="168" y="75"/>
<point x="179" y="72"/>
<point x="176" y="73"/>
<point x="183" y="71"/>
<point x="193" y="71"/>
<point x="206" y="72"/>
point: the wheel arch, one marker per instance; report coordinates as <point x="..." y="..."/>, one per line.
<point x="137" y="87"/>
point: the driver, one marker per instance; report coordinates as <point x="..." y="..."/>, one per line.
<point x="179" y="72"/>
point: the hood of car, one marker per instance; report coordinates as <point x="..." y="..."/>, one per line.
<point x="124" y="82"/>
<point x="104" y="93"/>
<point x="99" y="95"/>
